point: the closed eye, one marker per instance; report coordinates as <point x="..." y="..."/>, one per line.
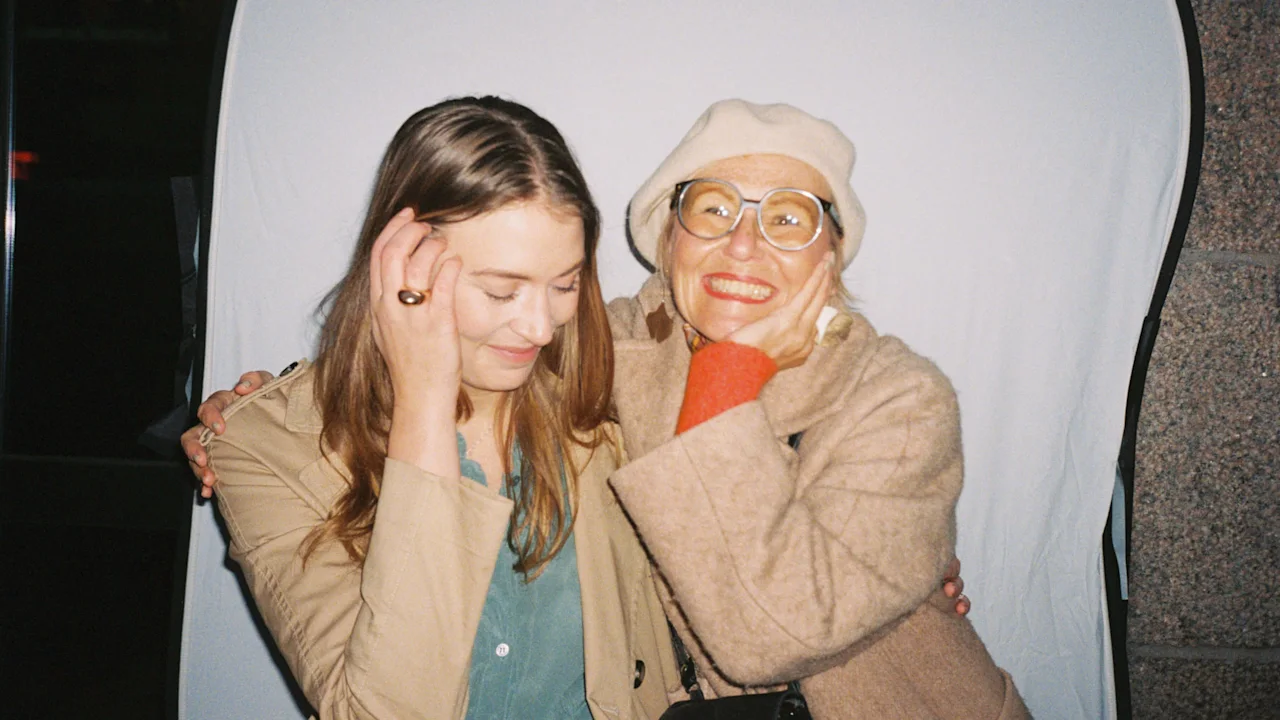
<point x="571" y="287"/>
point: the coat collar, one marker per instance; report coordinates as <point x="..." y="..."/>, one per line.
<point x="794" y="399"/>
<point x="303" y="414"/>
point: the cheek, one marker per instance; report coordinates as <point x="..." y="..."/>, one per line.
<point x="686" y="252"/>
<point x="685" y="259"/>
<point x="797" y="267"/>
<point x="563" y="307"/>
<point x="684" y="290"/>
<point x="477" y="316"/>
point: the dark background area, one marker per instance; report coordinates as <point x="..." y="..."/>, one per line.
<point x="107" y="103"/>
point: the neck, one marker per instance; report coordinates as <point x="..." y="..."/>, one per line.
<point x="482" y="427"/>
<point x="484" y="403"/>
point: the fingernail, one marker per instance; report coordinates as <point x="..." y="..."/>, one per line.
<point x="405" y="212"/>
<point x="244" y="383"/>
<point x="217" y="427"/>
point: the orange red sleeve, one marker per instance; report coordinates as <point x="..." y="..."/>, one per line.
<point x="722" y="376"/>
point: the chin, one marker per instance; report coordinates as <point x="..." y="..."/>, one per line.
<point x="715" y="332"/>
<point x="718" y="328"/>
<point x="499" y="380"/>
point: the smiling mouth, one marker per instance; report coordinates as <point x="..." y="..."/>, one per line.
<point x="735" y="289"/>
<point x="517" y="355"/>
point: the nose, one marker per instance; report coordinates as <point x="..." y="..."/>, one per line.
<point x="534" y="321"/>
<point x="745" y="238"/>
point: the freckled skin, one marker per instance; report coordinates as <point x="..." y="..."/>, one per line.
<point x="744" y="253"/>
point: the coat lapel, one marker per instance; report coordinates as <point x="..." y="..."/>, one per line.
<point x="600" y="565"/>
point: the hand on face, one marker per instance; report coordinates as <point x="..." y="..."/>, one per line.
<point x="788" y="334"/>
<point x="419" y="343"/>
<point x="739" y="287"/>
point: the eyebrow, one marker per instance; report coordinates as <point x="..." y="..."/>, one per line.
<point x="509" y="275"/>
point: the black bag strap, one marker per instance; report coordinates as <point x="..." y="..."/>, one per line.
<point x="689" y="670"/>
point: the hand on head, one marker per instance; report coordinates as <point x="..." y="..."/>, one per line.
<point x="418" y="340"/>
<point x="419" y="344"/>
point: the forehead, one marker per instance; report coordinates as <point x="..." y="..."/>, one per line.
<point x="757" y="174"/>
<point x="533" y="239"/>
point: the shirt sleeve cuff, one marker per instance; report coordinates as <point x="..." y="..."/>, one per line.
<point x="723" y="375"/>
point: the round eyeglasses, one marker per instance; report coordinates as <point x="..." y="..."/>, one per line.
<point x="788" y="219"/>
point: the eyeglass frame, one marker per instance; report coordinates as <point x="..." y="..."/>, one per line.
<point x="828" y="208"/>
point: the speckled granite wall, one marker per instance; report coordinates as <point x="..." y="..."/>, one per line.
<point x="1204" y="632"/>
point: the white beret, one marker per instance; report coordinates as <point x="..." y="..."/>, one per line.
<point x="730" y="128"/>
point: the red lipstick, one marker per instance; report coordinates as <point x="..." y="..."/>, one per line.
<point x="738" y="288"/>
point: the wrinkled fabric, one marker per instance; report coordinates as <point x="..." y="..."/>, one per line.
<point x="392" y="636"/>
<point x="821" y="564"/>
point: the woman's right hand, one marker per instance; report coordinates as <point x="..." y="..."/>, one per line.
<point x="788" y="334"/>
<point x="418" y="341"/>
<point x="210" y="416"/>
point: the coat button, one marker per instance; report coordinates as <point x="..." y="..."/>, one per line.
<point x="292" y="366"/>
<point x="639" y="676"/>
<point x="502" y="650"/>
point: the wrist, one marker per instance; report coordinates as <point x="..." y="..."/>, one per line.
<point x="425" y="434"/>
<point x="425" y="398"/>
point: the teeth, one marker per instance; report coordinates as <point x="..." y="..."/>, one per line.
<point x="741" y="289"/>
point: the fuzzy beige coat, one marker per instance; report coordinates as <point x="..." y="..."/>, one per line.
<point x="823" y="565"/>
<point x="392" y="638"/>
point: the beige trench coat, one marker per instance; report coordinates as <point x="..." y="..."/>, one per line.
<point x="392" y="639"/>
<point x="825" y="564"/>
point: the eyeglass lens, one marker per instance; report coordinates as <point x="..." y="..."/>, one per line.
<point x="710" y="209"/>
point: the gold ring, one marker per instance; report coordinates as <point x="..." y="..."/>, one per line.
<point x="412" y="297"/>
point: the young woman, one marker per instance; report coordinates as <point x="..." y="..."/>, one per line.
<point x="421" y="514"/>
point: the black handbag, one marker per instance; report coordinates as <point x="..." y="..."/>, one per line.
<point x="786" y="704"/>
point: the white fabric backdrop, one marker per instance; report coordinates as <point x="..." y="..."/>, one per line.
<point x="1020" y="164"/>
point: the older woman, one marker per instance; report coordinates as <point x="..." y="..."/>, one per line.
<point x="792" y="474"/>
<point x="820" y="563"/>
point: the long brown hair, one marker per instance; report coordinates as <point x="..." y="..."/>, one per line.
<point x="451" y="162"/>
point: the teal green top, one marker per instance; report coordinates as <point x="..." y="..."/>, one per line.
<point x="527" y="661"/>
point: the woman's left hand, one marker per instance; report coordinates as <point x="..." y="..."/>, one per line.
<point x="788" y="334"/>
